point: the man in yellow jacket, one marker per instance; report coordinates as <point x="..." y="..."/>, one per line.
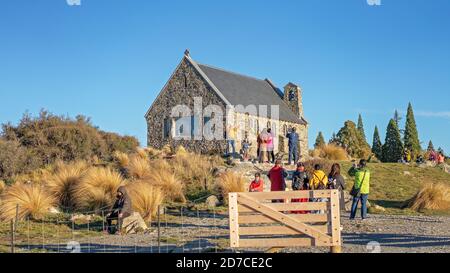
<point x="319" y="179"/>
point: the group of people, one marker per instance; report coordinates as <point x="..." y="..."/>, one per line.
<point x="319" y="180"/>
<point x="265" y="146"/>
<point x="437" y="157"/>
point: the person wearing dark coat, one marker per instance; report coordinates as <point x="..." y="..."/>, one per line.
<point x="293" y="138"/>
<point x="300" y="182"/>
<point x="122" y="208"/>
<point x="337" y="181"/>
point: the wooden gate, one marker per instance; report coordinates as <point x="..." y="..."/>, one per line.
<point x="285" y="219"/>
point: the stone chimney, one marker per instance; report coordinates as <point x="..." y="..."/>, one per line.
<point x="293" y="98"/>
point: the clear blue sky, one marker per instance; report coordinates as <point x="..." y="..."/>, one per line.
<point x="108" y="59"/>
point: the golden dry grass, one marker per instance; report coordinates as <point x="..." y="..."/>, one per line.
<point x="122" y="159"/>
<point x="2" y="186"/>
<point x="142" y="153"/>
<point x="230" y="182"/>
<point x="33" y="201"/>
<point x="196" y="171"/>
<point x="97" y="189"/>
<point x="138" y="168"/>
<point x="63" y="182"/>
<point x="167" y="150"/>
<point x="431" y="197"/>
<point x="172" y="187"/>
<point x="154" y="153"/>
<point x="145" y="198"/>
<point x="330" y="152"/>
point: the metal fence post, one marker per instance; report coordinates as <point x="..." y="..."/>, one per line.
<point x="13" y="235"/>
<point x="159" y="229"/>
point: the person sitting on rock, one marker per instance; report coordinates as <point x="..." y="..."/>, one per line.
<point x="257" y="185"/>
<point x="122" y="209"/>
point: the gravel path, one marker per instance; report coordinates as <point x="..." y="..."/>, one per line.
<point x="380" y="233"/>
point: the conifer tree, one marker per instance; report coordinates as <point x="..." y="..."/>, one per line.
<point x="393" y="146"/>
<point x="320" y="141"/>
<point x="377" y="146"/>
<point x="351" y="140"/>
<point x="430" y="146"/>
<point x="411" y="138"/>
<point x="361" y="127"/>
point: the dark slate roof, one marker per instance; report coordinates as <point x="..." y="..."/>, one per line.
<point x="243" y="90"/>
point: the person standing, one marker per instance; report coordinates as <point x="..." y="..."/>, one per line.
<point x="361" y="188"/>
<point x="231" y="140"/>
<point x="270" y="146"/>
<point x="263" y="147"/>
<point x="257" y="185"/>
<point x="300" y="182"/>
<point x="337" y="181"/>
<point x="246" y="148"/>
<point x="277" y="176"/>
<point x="293" y="146"/>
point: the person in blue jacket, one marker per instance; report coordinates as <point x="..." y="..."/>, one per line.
<point x="293" y="146"/>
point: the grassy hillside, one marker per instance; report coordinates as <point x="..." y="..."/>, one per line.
<point x="393" y="184"/>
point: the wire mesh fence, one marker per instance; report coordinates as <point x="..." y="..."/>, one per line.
<point x="173" y="230"/>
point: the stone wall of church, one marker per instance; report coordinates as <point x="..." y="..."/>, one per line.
<point x="185" y="85"/>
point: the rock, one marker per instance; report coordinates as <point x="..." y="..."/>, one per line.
<point x="212" y="201"/>
<point x="379" y="208"/>
<point x="81" y="217"/>
<point x="406" y="173"/>
<point x="54" y="210"/>
<point x="133" y="224"/>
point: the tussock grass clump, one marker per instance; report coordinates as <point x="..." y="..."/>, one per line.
<point x="167" y="150"/>
<point x="195" y="170"/>
<point x="122" y="159"/>
<point x="139" y="168"/>
<point x="33" y="200"/>
<point x="230" y="182"/>
<point x="63" y="182"/>
<point x="172" y="187"/>
<point x="97" y="189"/>
<point x="326" y="165"/>
<point x="2" y="186"/>
<point x="142" y="153"/>
<point x="154" y="153"/>
<point x="145" y="198"/>
<point x="431" y="197"/>
<point x="330" y="152"/>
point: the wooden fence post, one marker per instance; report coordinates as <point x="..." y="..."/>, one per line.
<point x="234" y="217"/>
<point x="335" y="210"/>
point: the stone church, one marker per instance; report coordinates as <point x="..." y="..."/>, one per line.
<point x="192" y="80"/>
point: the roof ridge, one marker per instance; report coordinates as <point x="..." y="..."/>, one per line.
<point x="232" y="72"/>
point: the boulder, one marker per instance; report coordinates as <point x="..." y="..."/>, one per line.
<point x="133" y="224"/>
<point x="406" y="173"/>
<point x="212" y="201"/>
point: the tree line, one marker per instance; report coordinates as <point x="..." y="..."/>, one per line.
<point x="352" y="138"/>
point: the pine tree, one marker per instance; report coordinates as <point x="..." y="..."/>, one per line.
<point x="397" y="118"/>
<point x="430" y="146"/>
<point x="411" y="138"/>
<point x="377" y="147"/>
<point x="333" y="139"/>
<point x="361" y="127"/>
<point x="320" y="141"/>
<point x="351" y="140"/>
<point x="393" y="146"/>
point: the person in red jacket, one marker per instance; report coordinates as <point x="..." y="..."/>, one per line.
<point x="277" y="176"/>
<point x="257" y="185"/>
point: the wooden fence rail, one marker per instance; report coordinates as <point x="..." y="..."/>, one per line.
<point x="285" y="219"/>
